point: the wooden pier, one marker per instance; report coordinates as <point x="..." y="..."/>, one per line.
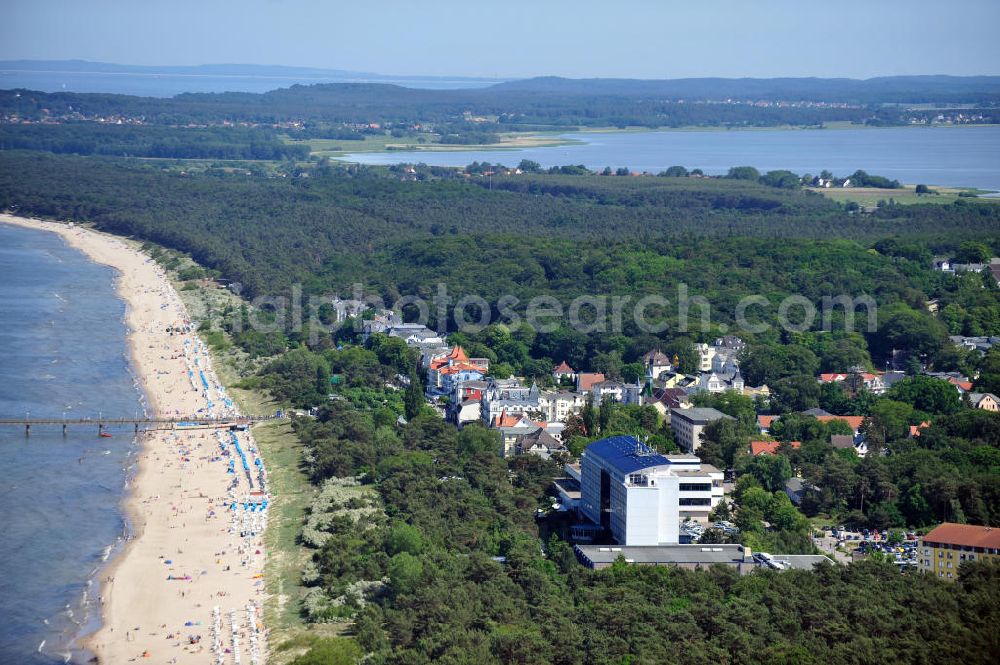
<point x="138" y="424"/>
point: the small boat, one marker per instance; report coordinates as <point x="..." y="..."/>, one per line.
<point x="105" y="435"/>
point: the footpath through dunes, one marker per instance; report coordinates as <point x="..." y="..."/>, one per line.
<point x="189" y="586"/>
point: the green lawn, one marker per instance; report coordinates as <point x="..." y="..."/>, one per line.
<point x="868" y="197"/>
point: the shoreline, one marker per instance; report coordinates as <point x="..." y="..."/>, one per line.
<point x="151" y="609"/>
<point x="557" y="138"/>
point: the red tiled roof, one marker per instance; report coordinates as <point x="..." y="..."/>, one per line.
<point x="765" y="421"/>
<point x="769" y="447"/>
<point x="837" y="376"/>
<point x="563" y="368"/>
<point x="588" y="379"/>
<point x="915" y="429"/>
<point x="503" y="420"/>
<point x="458" y="367"/>
<point x="853" y="421"/>
<point x="964" y="385"/>
<point x="965" y="535"/>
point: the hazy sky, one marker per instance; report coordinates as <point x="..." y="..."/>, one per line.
<point x="513" y="38"/>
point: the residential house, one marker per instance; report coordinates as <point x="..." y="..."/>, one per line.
<point x="943" y="264"/>
<point x="656" y="363"/>
<point x="539" y="443"/>
<point x="764" y="423"/>
<point x="563" y="372"/>
<point x="345" y="309"/>
<point x="674" y="379"/>
<point x="961" y="382"/>
<point x="855" y="422"/>
<point x="705" y="355"/>
<point x="586" y="380"/>
<point x="558" y="406"/>
<point x="665" y="399"/>
<point x="985" y="401"/>
<point x="769" y="447"/>
<point x="718" y="382"/>
<point x="509" y="397"/>
<point x="622" y="393"/>
<point x="512" y="427"/>
<point x="981" y="344"/>
<point x="856" y="380"/>
<point x="842" y="441"/>
<point x="446" y="372"/>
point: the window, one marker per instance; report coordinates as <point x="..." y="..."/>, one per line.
<point x="687" y="501"/>
<point x="695" y="487"/>
<point x="638" y="479"/>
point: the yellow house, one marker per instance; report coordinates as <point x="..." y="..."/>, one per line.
<point x="945" y="548"/>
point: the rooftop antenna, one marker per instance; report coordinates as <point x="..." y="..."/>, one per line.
<point x="642" y="450"/>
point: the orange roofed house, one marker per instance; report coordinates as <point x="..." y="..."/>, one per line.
<point x="455" y="367"/>
<point x="769" y="447"/>
<point x="585" y="381"/>
<point x="945" y="548"/>
<point x="857" y="380"/>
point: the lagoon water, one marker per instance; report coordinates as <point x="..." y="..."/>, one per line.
<point x="167" y="84"/>
<point x="62" y="350"/>
<point x="946" y="156"/>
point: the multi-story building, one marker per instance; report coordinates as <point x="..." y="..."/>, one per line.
<point x="945" y="548"/>
<point x="446" y="372"/>
<point x="508" y="396"/>
<point x="627" y="488"/>
<point x="688" y="425"/>
<point x="641" y="496"/>
<point x="558" y="406"/>
<point x="623" y="393"/>
<point x="705" y="355"/>
<point x="700" y="489"/>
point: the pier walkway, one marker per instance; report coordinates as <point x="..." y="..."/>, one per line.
<point x="141" y="423"/>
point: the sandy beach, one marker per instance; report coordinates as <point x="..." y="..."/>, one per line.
<point x="189" y="586"/>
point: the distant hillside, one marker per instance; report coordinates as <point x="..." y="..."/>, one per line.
<point x="887" y="89"/>
<point x="539" y="103"/>
<point x="221" y="70"/>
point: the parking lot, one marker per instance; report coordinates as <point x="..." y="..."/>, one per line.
<point x="846" y="545"/>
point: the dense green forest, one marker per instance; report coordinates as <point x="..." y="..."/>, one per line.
<point x="536" y="102"/>
<point x="349" y="224"/>
<point x="235" y="143"/>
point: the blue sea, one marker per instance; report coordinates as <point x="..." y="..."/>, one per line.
<point x="945" y="156"/>
<point x="62" y="352"/>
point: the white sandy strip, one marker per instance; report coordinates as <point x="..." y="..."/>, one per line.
<point x="180" y="499"/>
